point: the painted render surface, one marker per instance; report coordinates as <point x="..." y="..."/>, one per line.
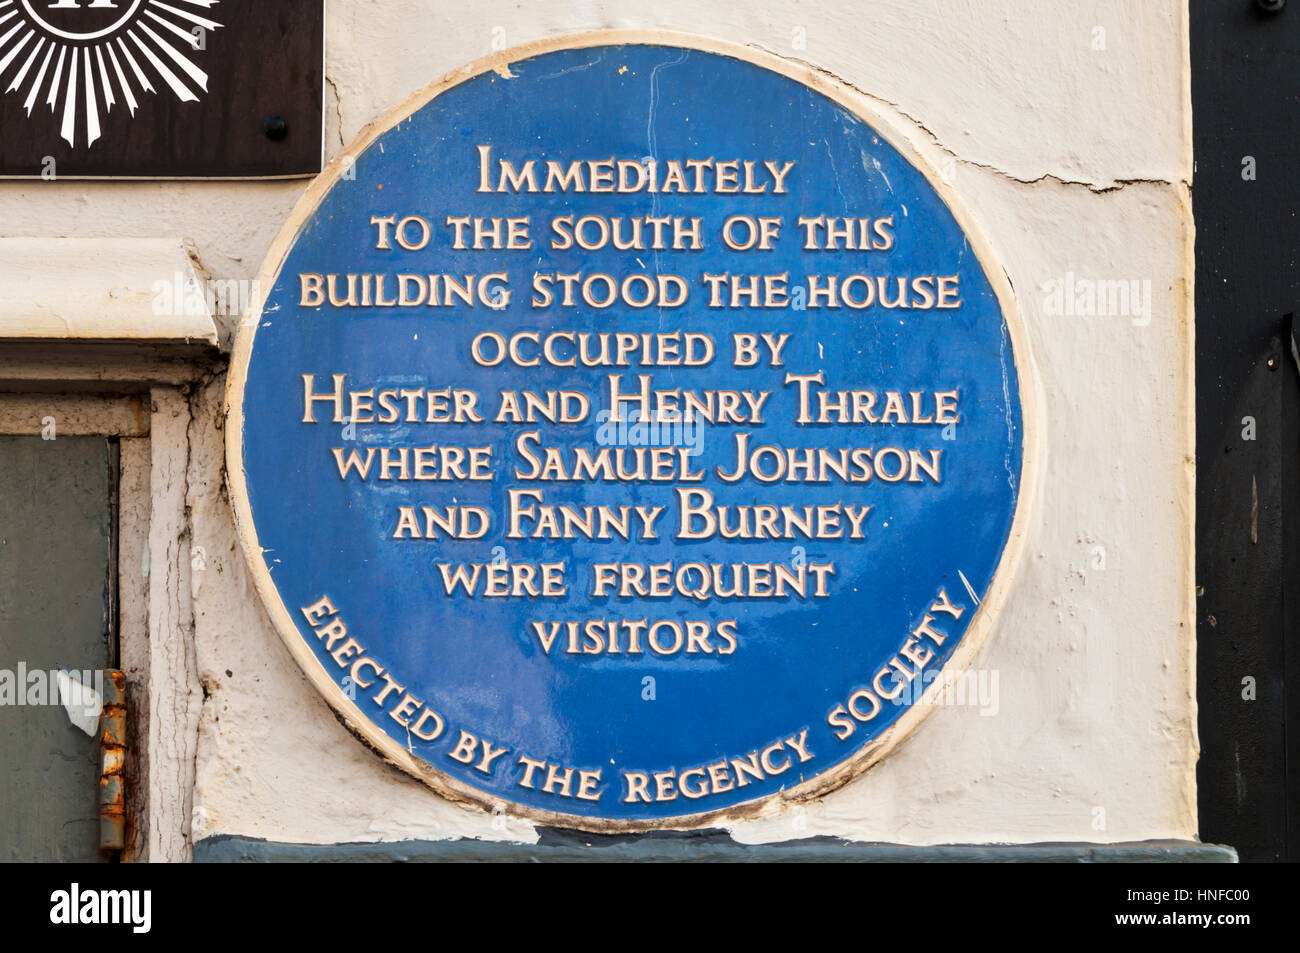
<point x="1067" y="136"/>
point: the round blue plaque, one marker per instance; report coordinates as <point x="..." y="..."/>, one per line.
<point x="632" y="432"/>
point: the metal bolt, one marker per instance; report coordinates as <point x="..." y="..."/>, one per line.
<point x="1270" y="6"/>
<point x="276" y="128"/>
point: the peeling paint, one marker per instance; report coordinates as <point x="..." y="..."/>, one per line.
<point x="81" y="702"/>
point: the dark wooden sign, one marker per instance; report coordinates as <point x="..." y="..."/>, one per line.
<point x="161" y="88"/>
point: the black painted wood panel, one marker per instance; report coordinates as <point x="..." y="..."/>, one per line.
<point x="1246" y="197"/>
<point x="259" y="116"/>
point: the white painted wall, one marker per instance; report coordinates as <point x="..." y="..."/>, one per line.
<point x="1074" y="159"/>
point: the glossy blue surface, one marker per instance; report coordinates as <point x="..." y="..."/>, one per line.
<point x="476" y="661"/>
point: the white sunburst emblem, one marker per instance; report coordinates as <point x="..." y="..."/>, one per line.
<point x="67" y="50"/>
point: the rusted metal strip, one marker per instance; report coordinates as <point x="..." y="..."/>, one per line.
<point x="112" y="746"/>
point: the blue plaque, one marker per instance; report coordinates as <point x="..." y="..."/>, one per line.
<point x="633" y="432"/>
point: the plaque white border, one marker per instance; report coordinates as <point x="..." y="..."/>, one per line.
<point x="980" y="624"/>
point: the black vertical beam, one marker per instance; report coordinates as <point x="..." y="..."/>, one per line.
<point x="1246" y="197"/>
<point x="1291" y="567"/>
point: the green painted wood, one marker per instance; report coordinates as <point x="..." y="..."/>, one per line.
<point x="54" y="571"/>
<point x="698" y="847"/>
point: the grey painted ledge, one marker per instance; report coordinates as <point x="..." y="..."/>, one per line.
<point x="564" y="846"/>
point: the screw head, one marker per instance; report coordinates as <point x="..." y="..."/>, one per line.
<point x="276" y="128"/>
